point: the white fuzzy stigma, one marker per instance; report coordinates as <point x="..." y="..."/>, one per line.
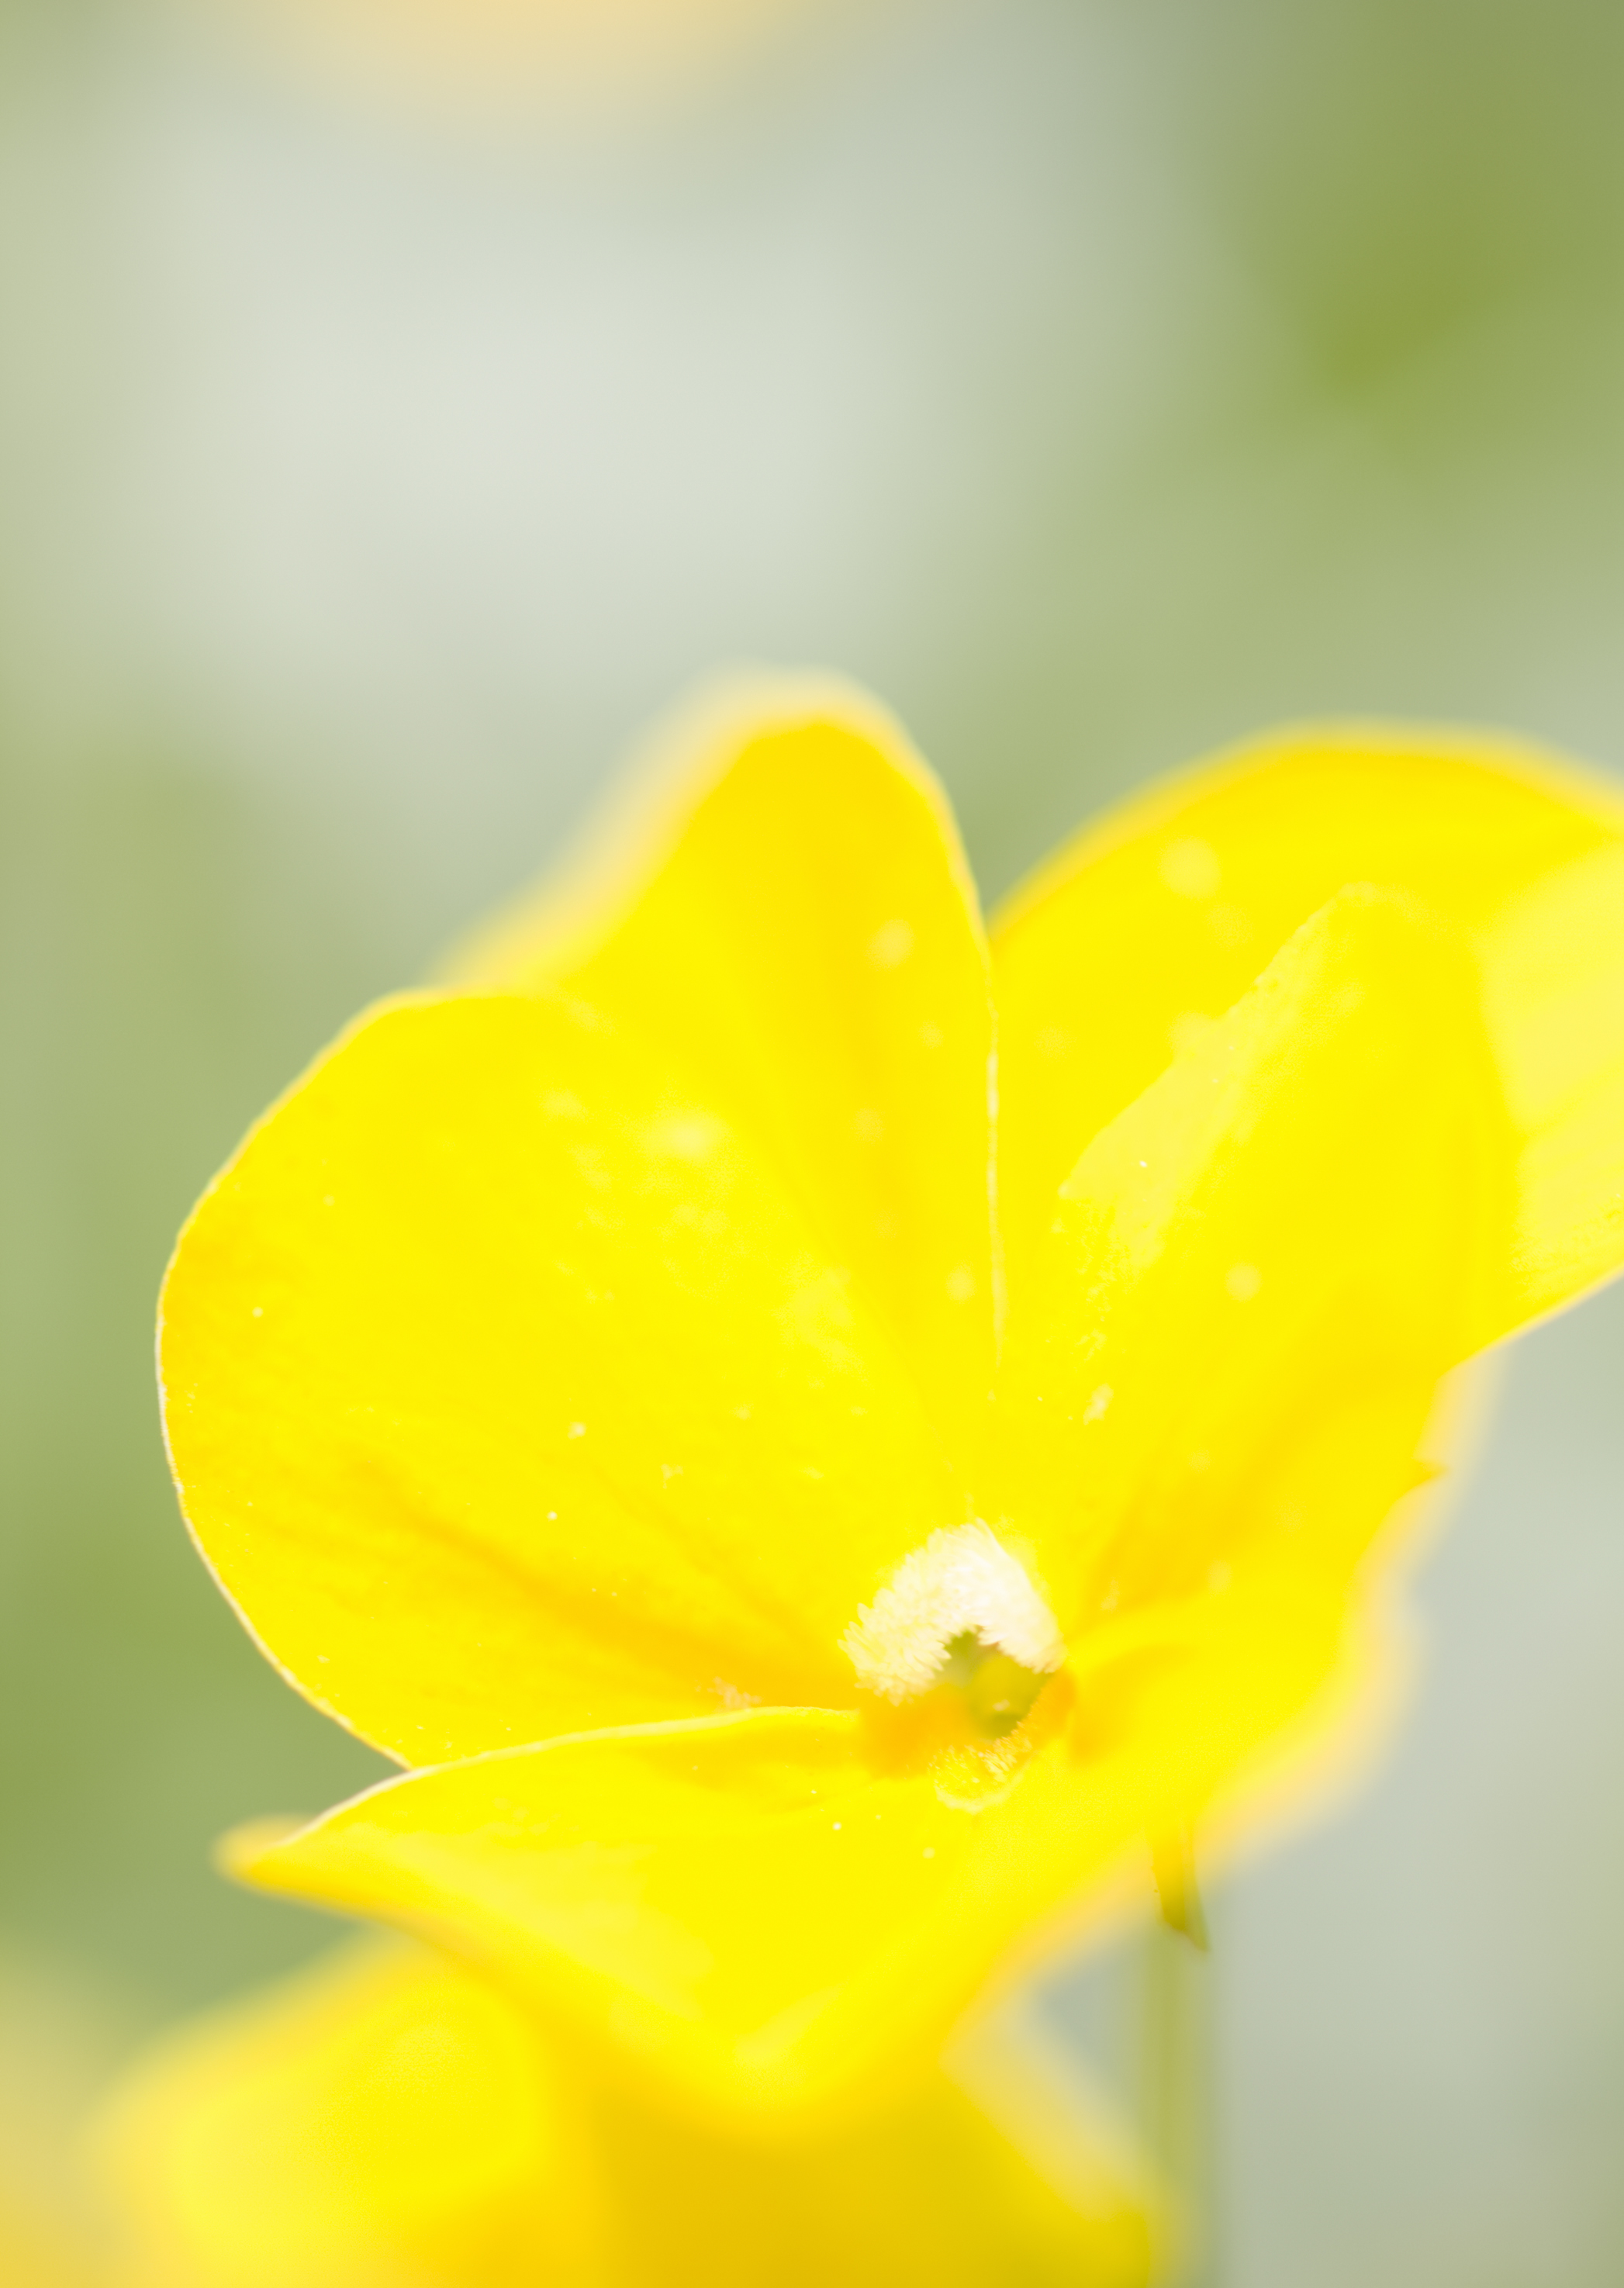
<point x="963" y="1582"/>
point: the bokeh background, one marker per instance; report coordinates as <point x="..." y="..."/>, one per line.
<point x="1100" y="380"/>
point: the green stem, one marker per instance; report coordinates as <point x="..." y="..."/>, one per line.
<point x="1175" y="2096"/>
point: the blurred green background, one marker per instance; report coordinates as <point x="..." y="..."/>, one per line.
<point x="1099" y="382"/>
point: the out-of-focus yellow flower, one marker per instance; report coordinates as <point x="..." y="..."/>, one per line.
<point x="57" y="2044"/>
<point x="380" y="2119"/>
<point x="38" y="2252"/>
<point x="387" y="2121"/>
<point x="824" y="1476"/>
<point x="597" y="52"/>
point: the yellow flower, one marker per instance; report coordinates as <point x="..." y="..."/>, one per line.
<point x="807" y="1563"/>
<point x="481" y="52"/>
<point x="56" y="2042"/>
<point x="41" y="2254"/>
<point x="385" y="2120"/>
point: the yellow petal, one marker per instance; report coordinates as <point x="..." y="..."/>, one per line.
<point x="1227" y="1348"/>
<point x="387" y="2119"/>
<point x="706" y="1897"/>
<point x="781" y="893"/>
<point x="1554" y="965"/>
<point x="748" y="1910"/>
<point x="384" y="2119"/>
<point x="927" y="2190"/>
<point x="1165" y="909"/>
<point x="490" y="1357"/>
<point x="510" y="1393"/>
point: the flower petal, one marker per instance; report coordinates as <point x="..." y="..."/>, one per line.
<point x="745" y="1908"/>
<point x="1164" y="910"/>
<point x="509" y="1394"/>
<point x="1554" y="965"/>
<point x="699" y="1894"/>
<point x="782" y="895"/>
<point x="1223" y="1361"/>
<point x="925" y="2190"/>
<point x="383" y="2117"/>
<point x="389" y="2117"/>
<point x="585" y="1361"/>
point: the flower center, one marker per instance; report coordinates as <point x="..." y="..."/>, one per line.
<point x="960" y="1612"/>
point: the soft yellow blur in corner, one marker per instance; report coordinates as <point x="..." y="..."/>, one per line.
<point x="57" y="2048"/>
<point x="39" y="2252"/>
<point x="386" y="2121"/>
<point x="802" y="1530"/>
<point x="598" y="57"/>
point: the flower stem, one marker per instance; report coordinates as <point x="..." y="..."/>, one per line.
<point x="1177" y="2077"/>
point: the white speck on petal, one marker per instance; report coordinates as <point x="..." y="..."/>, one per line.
<point x="686" y="1135"/>
<point x="1190" y="868"/>
<point x="962" y="1582"/>
<point x="1098" y="1402"/>
<point x="891" y="945"/>
<point x="932" y="1034"/>
<point x="577" y="1430"/>
<point x="961" y="1284"/>
<point x="1242" y="1281"/>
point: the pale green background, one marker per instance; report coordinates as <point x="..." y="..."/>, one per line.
<point x="1099" y="382"/>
